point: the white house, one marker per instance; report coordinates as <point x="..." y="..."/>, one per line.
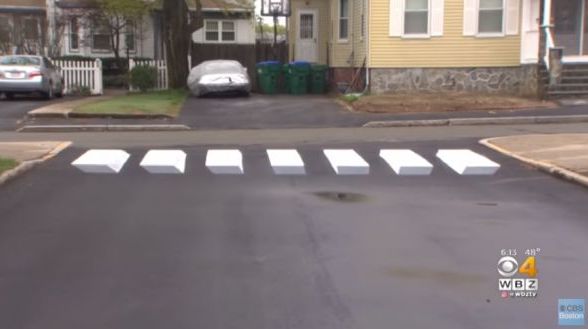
<point x="225" y="21"/>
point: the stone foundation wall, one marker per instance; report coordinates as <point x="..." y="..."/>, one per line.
<point x="345" y="75"/>
<point x="522" y="80"/>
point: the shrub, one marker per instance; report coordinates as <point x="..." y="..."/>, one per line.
<point x="77" y="90"/>
<point x="74" y="58"/>
<point x="116" y="81"/>
<point x="109" y="64"/>
<point x="350" y="98"/>
<point x="144" y="77"/>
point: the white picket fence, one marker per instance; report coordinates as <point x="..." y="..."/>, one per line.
<point x="81" y="74"/>
<point x="160" y="65"/>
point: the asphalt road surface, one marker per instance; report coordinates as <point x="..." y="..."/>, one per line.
<point x="137" y="250"/>
<point x="313" y="111"/>
<point x="14" y="111"/>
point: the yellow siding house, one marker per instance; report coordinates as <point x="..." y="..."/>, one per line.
<point x="421" y="45"/>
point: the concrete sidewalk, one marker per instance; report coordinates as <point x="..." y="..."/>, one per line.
<point x="563" y="155"/>
<point x="28" y="154"/>
<point x="63" y="109"/>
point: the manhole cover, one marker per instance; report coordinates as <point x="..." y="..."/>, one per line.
<point x="340" y="196"/>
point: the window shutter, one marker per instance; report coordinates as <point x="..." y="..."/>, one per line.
<point x="512" y="17"/>
<point x="396" y="17"/>
<point x="437" y="17"/>
<point x="470" y="17"/>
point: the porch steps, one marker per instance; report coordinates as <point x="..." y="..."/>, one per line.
<point x="573" y="84"/>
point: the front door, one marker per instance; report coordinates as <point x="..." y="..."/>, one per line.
<point x="306" y="39"/>
<point x="571" y="28"/>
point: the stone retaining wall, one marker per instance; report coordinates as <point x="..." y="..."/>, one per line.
<point x="522" y="80"/>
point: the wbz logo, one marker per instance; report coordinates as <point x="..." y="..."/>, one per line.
<point x="510" y="286"/>
<point x="518" y="284"/>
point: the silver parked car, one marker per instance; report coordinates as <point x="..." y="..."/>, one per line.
<point x="23" y="74"/>
<point x="219" y="76"/>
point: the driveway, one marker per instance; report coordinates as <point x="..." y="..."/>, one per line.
<point x="262" y="111"/>
<point x="12" y="111"/>
<point x="315" y="111"/>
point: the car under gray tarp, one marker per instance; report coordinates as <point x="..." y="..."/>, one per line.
<point x="219" y="76"/>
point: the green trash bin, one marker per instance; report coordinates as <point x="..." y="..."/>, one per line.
<point x="298" y="75"/>
<point x="286" y="78"/>
<point x="318" y="79"/>
<point x="268" y="75"/>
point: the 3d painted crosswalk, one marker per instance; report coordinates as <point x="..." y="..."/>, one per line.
<point x="286" y="162"/>
<point x="224" y="161"/>
<point x="347" y="162"/>
<point x="402" y="162"/>
<point x="164" y="161"/>
<point x="102" y="161"/>
<point x="406" y="162"/>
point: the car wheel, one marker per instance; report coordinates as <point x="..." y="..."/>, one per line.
<point x="9" y="96"/>
<point x="60" y="93"/>
<point x="49" y="94"/>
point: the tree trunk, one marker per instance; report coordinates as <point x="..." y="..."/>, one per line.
<point x="177" y="42"/>
<point x="178" y="26"/>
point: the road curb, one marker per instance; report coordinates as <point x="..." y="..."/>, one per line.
<point x="479" y="121"/>
<point x="543" y="166"/>
<point x="102" y="128"/>
<point x="29" y="164"/>
<point x="345" y="105"/>
<point x="77" y="115"/>
<point x="47" y="115"/>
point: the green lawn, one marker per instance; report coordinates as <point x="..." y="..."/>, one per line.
<point x="167" y="102"/>
<point x="7" y="164"/>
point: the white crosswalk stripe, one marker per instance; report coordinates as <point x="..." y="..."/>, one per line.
<point x="164" y="161"/>
<point x="406" y="162"/>
<point x="347" y="162"/>
<point x="225" y="161"/>
<point x="403" y="162"/>
<point x="286" y="162"/>
<point x="467" y="162"/>
<point x="101" y="161"/>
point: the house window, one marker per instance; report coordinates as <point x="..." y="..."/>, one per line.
<point x="5" y="34"/>
<point x="306" y="26"/>
<point x="74" y="37"/>
<point x="343" y="19"/>
<point x="31" y="29"/>
<point x="4" y="23"/>
<point x="219" y="31"/>
<point x="211" y="30"/>
<point x="490" y="16"/>
<point x="100" y="36"/>
<point x="228" y="31"/>
<point x="416" y="17"/>
<point x="130" y="36"/>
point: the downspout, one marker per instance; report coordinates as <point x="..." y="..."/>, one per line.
<point x="553" y="54"/>
<point x="546" y="25"/>
<point x="366" y="38"/>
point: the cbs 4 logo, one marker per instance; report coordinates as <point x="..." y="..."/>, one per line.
<point x="508" y="267"/>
